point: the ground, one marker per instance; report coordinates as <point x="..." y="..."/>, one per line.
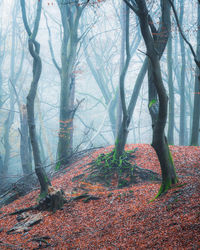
<point x="121" y="218"/>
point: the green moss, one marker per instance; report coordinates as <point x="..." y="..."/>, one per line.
<point x="153" y="101"/>
<point x="46" y="179"/>
<point x="163" y="189"/>
<point x="171" y="158"/>
<point x="57" y="166"/>
<point x="41" y="196"/>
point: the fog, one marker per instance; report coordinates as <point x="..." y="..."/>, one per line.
<point x="96" y="72"/>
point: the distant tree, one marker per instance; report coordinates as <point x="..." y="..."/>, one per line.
<point x="15" y="72"/>
<point x="196" y="56"/>
<point x="70" y="17"/>
<point x="182" y="134"/>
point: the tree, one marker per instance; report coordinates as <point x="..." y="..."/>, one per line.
<point x="49" y="197"/>
<point x="123" y="131"/>
<point x="182" y="134"/>
<point x="161" y="37"/>
<point x="70" y="17"/>
<point x="159" y="112"/>
<point x="34" y="50"/>
<point x="170" y="134"/>
<point x="196" y="107"/>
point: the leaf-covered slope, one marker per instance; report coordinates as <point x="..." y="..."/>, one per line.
<point x="121" y="217"/>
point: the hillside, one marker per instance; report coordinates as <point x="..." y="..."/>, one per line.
<point x="120" y="218"/>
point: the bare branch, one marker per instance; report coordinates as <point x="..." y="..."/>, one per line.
<point x="183" y="35"/>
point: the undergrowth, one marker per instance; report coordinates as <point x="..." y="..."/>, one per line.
<point x="107" y="166"/>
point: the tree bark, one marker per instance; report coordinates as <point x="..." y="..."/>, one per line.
<point x="24" y="142"/>
<point x="182" y="133"/>
<point x="170" y="134"/>
<point x="123" y="132"/>
<point x="159" y="142"/>
<point x="34" y="49"/>
<point x="196" y="107"/>
<point x="70" y="16"/>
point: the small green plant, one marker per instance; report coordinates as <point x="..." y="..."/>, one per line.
<point x="153" y="101"/>
<point x="107" y="165"/>
<point x="57" y="166"/>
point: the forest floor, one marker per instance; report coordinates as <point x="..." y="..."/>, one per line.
<point x="121" y="218"/>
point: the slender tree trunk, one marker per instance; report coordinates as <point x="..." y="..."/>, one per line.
<point x="34" y="49"/>
<point x="170" y="134"/>
<point x="24" y="142"/>
<point x="122" y="57"/>
<point x="182" y="83"/>
<point x="41" y="146"/>
<point x="11" y="115"/>
<point x="123" y="132"/>
<point x="196" y="108"/>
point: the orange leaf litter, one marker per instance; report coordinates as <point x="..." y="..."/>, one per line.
<point x="122" y="218"/>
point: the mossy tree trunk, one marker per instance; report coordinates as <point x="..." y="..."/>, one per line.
<point x="159" y="142"/>
<point x="123" y="131"/>
<point x="160" y="45"/>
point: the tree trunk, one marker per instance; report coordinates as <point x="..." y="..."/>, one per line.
<point x="196" y="108"/>
<point x="159" y="142"/>
<point x="64" y="150"/>
<point x="182" y="133"/>
<point x="123" y="132"/>
<point x="24" y="142"/>
<point x="70" y="16"/>
<point x="122" y="58"/>
<point x="34" y="49"/>
<point x="170" y="134"/>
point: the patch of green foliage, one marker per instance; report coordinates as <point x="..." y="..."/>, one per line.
<point x="153" y="101"/>
<point x="106" y="166"/>
<point x="57" y="167"/>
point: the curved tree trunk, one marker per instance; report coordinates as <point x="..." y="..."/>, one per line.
<point x="34" y="49"/>
<point x="159" y="142"/>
